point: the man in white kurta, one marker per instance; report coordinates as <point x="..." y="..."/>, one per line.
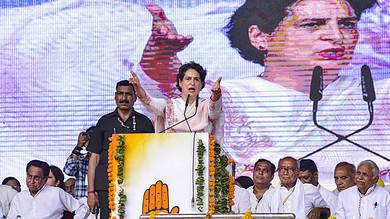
<point x="41" y="201"/>
<point x="49" y="203"/>
<point x="292" y="196"/>
<point x="344" y="176"/>
<point x="7" y="193"/>
<point x="241" y="200"/>
<point x="366" y="200"/>
<point x="374" y="204"/>
<point x="308" y="173"/>
<point x="263" y="174"/>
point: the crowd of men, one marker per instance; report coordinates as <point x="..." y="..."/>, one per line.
<point x="358" y="193"/>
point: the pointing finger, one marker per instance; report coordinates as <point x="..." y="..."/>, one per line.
<point x="156" y="11"/>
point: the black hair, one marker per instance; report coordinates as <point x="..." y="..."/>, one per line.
<point x="7" y="179"/>
<point x="191" y="65"/>
<point x="266" y="14"/>
<point x="40" y="164"/>
<point x="244" y="181"/>
<point x="125" y="83"/>
<point x="59" y="175"/>
<point x="308" y="164"/>
<point x="90" y="131"/>
<point x="272" y="166"/>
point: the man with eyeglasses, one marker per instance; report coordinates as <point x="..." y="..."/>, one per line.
<point x="263" y="174"/>
<point x="292" y="196"/>
<point x="123" y="120"/>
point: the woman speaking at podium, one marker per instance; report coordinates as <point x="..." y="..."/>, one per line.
<point x="187" y="112"/>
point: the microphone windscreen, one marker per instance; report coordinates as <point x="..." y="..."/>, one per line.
<point x="368" y="90"/>
<point x="316" y="85"/>
<point x="197" y="101"/>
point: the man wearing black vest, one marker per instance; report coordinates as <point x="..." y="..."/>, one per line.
<point x="123" y="120"/>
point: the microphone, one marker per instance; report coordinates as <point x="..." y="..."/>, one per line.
<point x="196" y="104"/>
<point x="187" y="100"/>
<point x="368" y="90"/>
<point x="185" y="119"/>
<point x="196" y="110"/>
<point x="184" y="113"/>
<point x="316" y="85"/>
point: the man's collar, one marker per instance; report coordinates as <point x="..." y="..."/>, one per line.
<point x="116" y="112"/>
<point x="369" y="190"/>
<point x="43" y="187"/>
<point x="292" y="187"/>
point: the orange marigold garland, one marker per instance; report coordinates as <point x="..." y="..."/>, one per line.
<point x="211" y="176"/>
<point x="116" y="159"/>
<point x="221" y="184"/>
<point x="112" y="172"/>
<point x="231" y="185"/>
<point x="231" y="191"/>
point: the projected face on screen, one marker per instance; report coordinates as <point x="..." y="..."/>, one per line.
<point x="289" y="38"/>
<point x="314" y="33"/>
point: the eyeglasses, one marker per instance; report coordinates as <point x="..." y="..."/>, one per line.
<point x="286" y="169"/>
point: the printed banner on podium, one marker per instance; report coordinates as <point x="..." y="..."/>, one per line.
<point x="155" y="172"/>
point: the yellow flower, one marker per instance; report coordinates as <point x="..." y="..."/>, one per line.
<point x="247" y="215"/>
<point x="152" y="215"/>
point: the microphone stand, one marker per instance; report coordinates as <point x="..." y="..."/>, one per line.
<point x="342" y="137"/>
<point x="185" y="118"/>
<point x="184" y="113"/>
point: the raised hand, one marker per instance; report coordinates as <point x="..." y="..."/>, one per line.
<point x="164" y="32"/>
<point x="134" y="80"/>
<point x="82" y="139"/>
<point x="156" y="198"/>
<point x="159" y="60"/>
<point x="216" y="90"/>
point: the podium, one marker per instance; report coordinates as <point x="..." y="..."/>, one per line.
<point x="221" y="216"/>
<point x="158" y="173"/>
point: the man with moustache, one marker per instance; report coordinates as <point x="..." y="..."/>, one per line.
<point x="292" y="196"/>
<point x="263" y="174"/>
<point x="123" y="120"/>
<point x="366" y="199"/>
<point x="344" y="176"/>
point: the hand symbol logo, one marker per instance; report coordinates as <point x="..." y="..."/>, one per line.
<point x="156" y="198"/>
